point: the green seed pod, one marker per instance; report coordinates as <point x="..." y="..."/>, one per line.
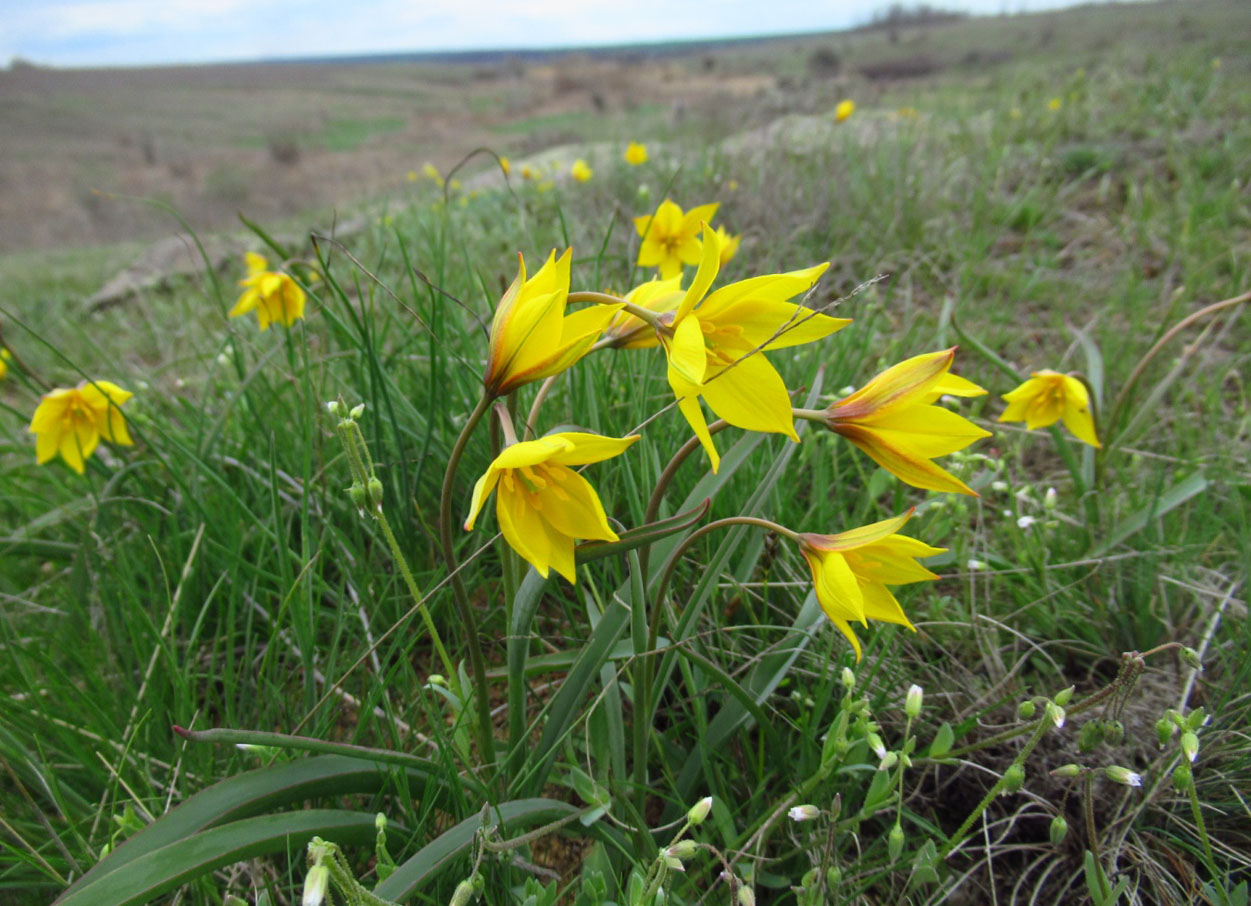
<point x="1113" y="732"/>
<point x="1062" y="697"/>
<point x="463" y="894"/>
<point x="1183" y="779"/>
<point x="1059" y="830"/>
<point x="833" y="877"/>
<point x="359" y="495"/>
<point x="1026" y="709"/>
<point x="375" y="493"/>
<point x="1164" y="730"/>
<point x="895" y="842"/>
<point x="1090" y="735"/>
<point x="1067" y="771"/>
<point x="1013" y="778"/>
<point x="683" y="849"/>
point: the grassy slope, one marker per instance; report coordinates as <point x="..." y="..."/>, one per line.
<point x="1117" y="214"/>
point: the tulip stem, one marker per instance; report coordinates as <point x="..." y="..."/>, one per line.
<point x="461" y="594"/>
<point x="645" y="315"/>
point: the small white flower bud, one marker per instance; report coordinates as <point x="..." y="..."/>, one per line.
<point x="975" y="565"/>
<point x="746" y="897"/>
<point x="912" y="703"/>
<point x="1049" y="499"/>
<point x="673" y="863"/>
<point x="803" y="813"/>
<point x="889" y="760"/>
<point x="876" y="744"/>
<point x="848" y="679"/>
<point x="1056" y="714"/>
<point x="999" y="486"/>
<point x="315" y="884"/>
<point x="1025" y="522"/>
<point x="683" y="849"/>
<point x="1118" y="774"/>
<point x="334" y="408"/>
<point x="1190" y="746"/>
<point x="357" y="411"/>
<point x="699" y="811"/>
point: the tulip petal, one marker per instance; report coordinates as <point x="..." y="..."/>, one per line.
<point x="523" y="528"/>
<point x="572" y="508"/>
<point x="902" y="463"/>
<point x="924" y="431"/>
<point x="482" y="489"/>
<point x="688" y="356"/>
<point x="750" y="394"/>
<point x="880" y="604"/>
<point x="694" y="414"/>
<point x="532" y="452"/>
<point x="588" y="448"/>
<point x="47" y="443"/>
<point x="709" y="265"/>
<point x="858" y="537"/>
<point x="837" y="589"/>
<point x="904" y="384"/>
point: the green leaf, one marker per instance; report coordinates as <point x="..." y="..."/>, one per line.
<point x="943" y="740"/>
<point x="456" y="842"/>
<point x="1170" y="499"/>
<point x="244" y="795"/>
<point x="161" y="870"/>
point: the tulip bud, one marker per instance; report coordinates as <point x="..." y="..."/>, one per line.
<point x="912" y="703"/>
<point x="1013" y="778"/>
<point x="1059" y="830"/>
<point x="1190" y="746"/>
<point x="1026" y="709"/>
<point x="895" y="842"/>
<point x="1119" y="774"/>
<point x="699" y="811"/>
<point x="803" y="813"/>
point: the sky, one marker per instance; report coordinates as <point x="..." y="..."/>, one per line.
<point x="81" y="33"/>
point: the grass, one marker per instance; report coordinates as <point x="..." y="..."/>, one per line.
<point x="217" y="575"/>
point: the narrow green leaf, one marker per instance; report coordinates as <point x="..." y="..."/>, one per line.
<point x="1172" y="498"/>
<point x="161" y="870"/>
<point x="641" y="536"/>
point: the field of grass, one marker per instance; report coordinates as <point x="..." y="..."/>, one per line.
<point x="1064" y="207"/>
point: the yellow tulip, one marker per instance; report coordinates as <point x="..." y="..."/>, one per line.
<point x="273" y="296"/>
<point x="628" y="332"/>
<point x="894" y="420"/>
<point x="580" y="171"/>
<point x="729" y="245"/>
<point x="531" y="338"/>
<point x="850" y="572"/>
<point x="635" y="154"/>
<point x="670" y="236"/>
<point x="844" y="109"/>
<point x="1046" y="398"/>
<point x="715" y="346"/>
<point x="542" y="504"/>
<point x="71" y="421"/>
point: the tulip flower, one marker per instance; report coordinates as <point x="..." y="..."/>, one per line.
<point x="580" y="171"/>
<point x="894" y="420"/>
<point x="850" y="572"/>
<point x="715" y="346"/>
<point x="274" y="296"/>
<point x="635" y="154"/>
<point x="670" y="237"/>
<point x="531" y="337"/>
<point x="1046" y="398"/>
<point x="629" y="332"/>
<point x="71" y="421"/>
<point x="729" y="245"/>
<point x="844" y="110"/>
<point x="541" y="504"/>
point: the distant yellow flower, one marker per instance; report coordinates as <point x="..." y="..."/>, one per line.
<point x="893" y="419"/>
<point x="670" y="236"/>
<point x="431" y="172"/>
<point x="729" y="245"/>
<point x="542" y="504"/>
<point x="72" y="421"/>
<point x="412" y="175"/>
<point x="635" y="154"/>
<point x="5" y="358"/>
<point x="506" y="165"/>
<point x="907" y="113"/>
<point x="1046" y="398"/>
<point x="273" y="296"/>
<point x="526" y="172"/>
<point x="531" y="338"/>
<point x="732" y="185"/>
<point x="455" y="185"/>
<point x="1054" y="104"/>
<point x="844" y="109"/>
<point x="715" y="346"/>
<point x="1015" y="113"/>
<point x="850" y="572"/>
<point x="580" y="171"/>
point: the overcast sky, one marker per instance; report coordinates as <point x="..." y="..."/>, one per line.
<point x="139" y="32"/>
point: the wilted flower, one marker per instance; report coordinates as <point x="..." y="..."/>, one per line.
<point x="635" y="154"/>
<point x="531" y="337"/>
<point x="894" y="420"/>
<point x="1046" y="398"/>
<point x="844" y="109"/>
<point x="670" y="236"/>
<point x="541" y="504"/>
<point x="851" y="570"/>
<point x="72" y="421"/>
<point x="274" y="296"/>
<point x="580" y="171"/>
